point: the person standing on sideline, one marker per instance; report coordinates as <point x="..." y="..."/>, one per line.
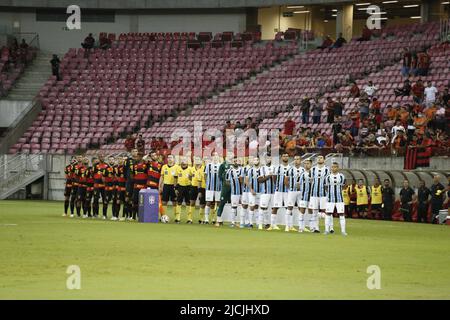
<point x="407" y="197"/>
<point x="362" y="199"/>
<point x="423" y="201"/>
<point x="437" y="198"/>
<point x="388" y="200"/>
<point x="376" y="199"/>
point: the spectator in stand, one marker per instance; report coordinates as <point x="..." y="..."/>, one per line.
<point x="354" y="90"/>
<point x="316" y="109"/>
<point x="354" y="116"/>
<point x="338" y="107"/>
<point x="413" y="67"/>
<point x="399" y="143"/>
<point x="129" y="143"/>
<point x="405" y="91"/>
<point x="406" y="62"/>
<point x="370" y="89"/>
<point x="407" y="197"/>
<point x="418" y="91"/>
<point x="289" y="127"/>
<point x="340" y="41"/>
<point x="327" y="42"/>
<point x="423" y="63"/>
<point x="423" y="201"/>
<point x="336" y="128"/>
<point x="330" y="110"/>
<point x="363" y="106"/>
<point x="388" y="200"/>
<point x="55" y="66"/>
<point x="104" y="43"/>
<point x="140" y="144"/>
<point x="88" y="42"/>
<point x="430" y="94"/>
<point x="366" y="34"/>
<point x="305" y="107"/>
<point x="444" y="99"/>
<point x="229" y="126"/>
<point x="440" y="120"/>
<point x="238" y="125"/>
<point x="162" y="144"/>
<point x="154" y="144"/>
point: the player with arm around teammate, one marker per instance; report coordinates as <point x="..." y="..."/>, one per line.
<point x="292" y="181"/>
<point x="234" y="178"/>
<point x="266" y="191"/>
<point x="305" y="181"/>
<point x="335" y="199"/>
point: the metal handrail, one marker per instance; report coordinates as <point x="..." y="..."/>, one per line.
<point x="20" y="166"/>
<point x="34" y="38"/>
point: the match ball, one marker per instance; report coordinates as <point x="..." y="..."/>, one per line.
<point x="165" y="219"/>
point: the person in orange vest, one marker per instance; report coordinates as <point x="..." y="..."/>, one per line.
<point x="362" y="199"/>
<point x="346" y="196"/>
<point x="352" y="195"/>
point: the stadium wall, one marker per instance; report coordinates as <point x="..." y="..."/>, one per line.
<point x="57" y="163"/>
<point x="54" y="36"/>
<point x="10" y="110"/>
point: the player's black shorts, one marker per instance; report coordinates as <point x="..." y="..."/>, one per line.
<point x="81" y="193"/>
<point x="376" y="206"/>
<point x="74" y="192"/>
<point x="67" y="191"/>
<point x="202" y="199"/>
<point x="120" y="195"/>
<point x="99" y="192"/>
<point x="194" y="193"/>
<point x="184" y="194"/>
<point x="168" y="193"/>
<point x="361" y="207"/>
<point x="109" y="195"/>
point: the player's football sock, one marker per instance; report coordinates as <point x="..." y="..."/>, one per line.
<point x="301" y="221"/>
<point x="66" y="206"/>
<point x="214" y="213"/>
<point x="95" y="208"/>
<point x="291" y="221"/>
<point x="314" y="220"/>
<point x="233" y="215"/>
<point x="260" y="217"/>
<point x="287" y="217"/>
<point x="342" y="223"/>
<point x="273" y="219"/>
<point x="331" y="223"/>
<point x="242" y="214"/>
<point x="190" y="210"/>
<point x="207" y="210"/>
<point x="202" y="214"/>
<point x="251" y="212"/>
<point x="178" y="212"/>
<point x="306" y="219"/>
<point x="105" y="210"/>
<point x="327" y="223"/>
<point x="72" y="207"/>
<point x="78" y="210"/>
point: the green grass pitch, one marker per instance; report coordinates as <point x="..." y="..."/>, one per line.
<point x="126" y="260"/>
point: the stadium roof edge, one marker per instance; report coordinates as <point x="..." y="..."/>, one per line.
<point x="158" y="4"/>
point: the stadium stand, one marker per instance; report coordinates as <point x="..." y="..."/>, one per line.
<point x="138" y="81"/>
<point x="318" y="73"/>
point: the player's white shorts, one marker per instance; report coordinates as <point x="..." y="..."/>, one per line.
<point x="212" y="196"/>
<point x="235" y="199"/>
<point x="244" y="198"/>
<point x="318" y="203"/>
<point x="264" y="200"/>
<point x="253" y="200"/>
<point x="293" y="198"/>
<point x="303" y="204"/>
<point x="280" y="199"/>
<point x="340" y="207"/>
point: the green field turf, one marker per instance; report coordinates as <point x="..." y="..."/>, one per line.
<point x="128" y="260"/>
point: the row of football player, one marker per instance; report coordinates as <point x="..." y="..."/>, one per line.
<point x="254" y="187"/>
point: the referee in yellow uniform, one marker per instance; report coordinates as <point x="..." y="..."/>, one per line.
<point x="197" y="176"/>
<point x="167" y="182"/>
<point x="376" y="199"/>
<point x="183" y="183"/>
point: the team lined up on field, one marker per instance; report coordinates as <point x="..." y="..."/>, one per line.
<point x="252" y="189"/>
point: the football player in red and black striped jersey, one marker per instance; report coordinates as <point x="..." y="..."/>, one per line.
<point x="82" y="173"/>
<point x="74" y="191"/>
<point x="120" y="184"/>
<point x="140" y="177"/>
<point x="108" y="179"/>
<point x="99" y="185"/>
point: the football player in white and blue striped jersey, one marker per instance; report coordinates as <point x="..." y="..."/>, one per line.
<point x="305" y="181"/>
<point x="318" y="199"/>
<point x="213" y="184"/>
<point x="253" y="184"/>
<point x="234" y="177"/>
<point x="335" y="199"/>
<point x="245" y="193"/>
<point x="266" y="191"/>
<point x="280" y="196"/>
<point x="292" y="180"/>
